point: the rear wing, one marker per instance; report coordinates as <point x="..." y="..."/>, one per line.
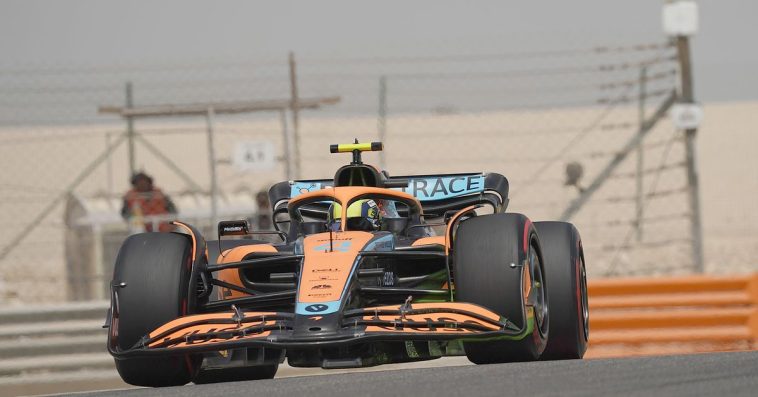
<point x="437" y="193"/>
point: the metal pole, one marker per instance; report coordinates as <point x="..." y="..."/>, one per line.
<point x="688" y="96"/>
<point x="295" y="107"/>
<point x="287" y="146"/>
<point x="130" y="128"/>
<point x="382" y="120"/>
<point x="108" y="168"/>
<point x="95" y="288"/>
<point x="640" y="155"/>
<point x="209" y="118"/>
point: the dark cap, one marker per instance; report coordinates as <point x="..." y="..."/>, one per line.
<point x="141" y="175"/>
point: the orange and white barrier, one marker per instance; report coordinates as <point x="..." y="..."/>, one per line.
<point x="689" y="314"/>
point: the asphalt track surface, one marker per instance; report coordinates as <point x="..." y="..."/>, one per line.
<point x="727" y="374"/>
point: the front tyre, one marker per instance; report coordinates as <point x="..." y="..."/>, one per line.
<point x="498" y="265"/>
<point x="153" y="271"/>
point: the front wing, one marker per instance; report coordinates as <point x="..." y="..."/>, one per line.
<point x="239" y="329"/>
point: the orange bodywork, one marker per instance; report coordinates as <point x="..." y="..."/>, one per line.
<point x="451" y="224"/>
<point x="447" y="317"/>
<point x="232" y="276"/>
<point x="345" y="194"/>
<point x="432" y="240"/>
<point x="449" y="313"/>
<point x="527" y="282"/>
<point x="328" y="263"/>
<point x="204" y="328"/>
<point x="186" y="228"/>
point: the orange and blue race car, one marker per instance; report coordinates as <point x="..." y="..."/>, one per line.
<point x="372" y="269"/>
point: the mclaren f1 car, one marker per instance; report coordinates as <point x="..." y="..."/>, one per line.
<point x="371" y="269"/>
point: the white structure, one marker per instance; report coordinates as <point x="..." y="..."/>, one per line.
<point x="95" y="231"/>
<point x="680" y="18"/>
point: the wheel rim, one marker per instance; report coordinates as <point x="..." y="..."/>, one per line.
<point x="585" y="304"/>
<point x="537" y="297"/>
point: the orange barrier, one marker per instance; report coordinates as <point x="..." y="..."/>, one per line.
<point x="645" y="316"/>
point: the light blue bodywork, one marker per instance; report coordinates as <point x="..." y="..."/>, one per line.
<point x="424" y="188"/>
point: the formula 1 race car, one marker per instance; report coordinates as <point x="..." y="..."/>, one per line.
<point x="372" y="269"/>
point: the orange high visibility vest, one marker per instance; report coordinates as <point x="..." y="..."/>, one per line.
<point x="149" y="203"/>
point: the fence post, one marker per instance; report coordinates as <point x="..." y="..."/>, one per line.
<point x="209" y="118"/>
<point x="693" y="186"/>
<point x="640" y="155"/>
<point x="108" y="168"/>
<point x="130" y="128"/>
<point x="295" y="106"/>
<point x="381" y="122"/>
<point x="287" y="146"/>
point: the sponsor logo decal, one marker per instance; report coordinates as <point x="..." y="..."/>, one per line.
<point x="325" y="270"/>
<point x="336" y="237"/>
<point x="299" y="188"/>
<point x="322" y="278"/>
<point x="311" y="309"/>
<point x="232" y="228"/>
<point x="322" y="286"/>
<point x="389" y="279"/>
<point x="438" y="188"/>
<point x="423" y="188"/>
<point x="341" y="246"/>
<point x="316" y="308"/>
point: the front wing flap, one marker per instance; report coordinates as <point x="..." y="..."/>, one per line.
<point x="236" y="329"/>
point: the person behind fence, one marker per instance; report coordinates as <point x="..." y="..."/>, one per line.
<point x="146" y="207"/>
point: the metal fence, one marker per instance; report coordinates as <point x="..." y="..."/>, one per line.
<point x="553" y="122"/>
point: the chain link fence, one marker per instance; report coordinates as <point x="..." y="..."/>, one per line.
<point x="551" y="121"/>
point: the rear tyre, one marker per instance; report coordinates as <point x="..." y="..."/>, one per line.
<point x="498" y="265"/>
<point x="566" y="275"/>
<point x="154" y="269"/>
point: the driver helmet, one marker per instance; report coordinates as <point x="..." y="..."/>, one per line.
<point x="361" y="215"/>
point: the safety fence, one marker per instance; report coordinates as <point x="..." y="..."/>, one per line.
<point x="645" y="316"/>
<point x="556" y="122"/>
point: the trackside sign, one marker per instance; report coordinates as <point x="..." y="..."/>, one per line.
<point x="424" y="188"/>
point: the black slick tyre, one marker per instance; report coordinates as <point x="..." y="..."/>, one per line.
<point x="566" y="276"/>
<point x="497" y="265"/>
<point x="153" y="272"/>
